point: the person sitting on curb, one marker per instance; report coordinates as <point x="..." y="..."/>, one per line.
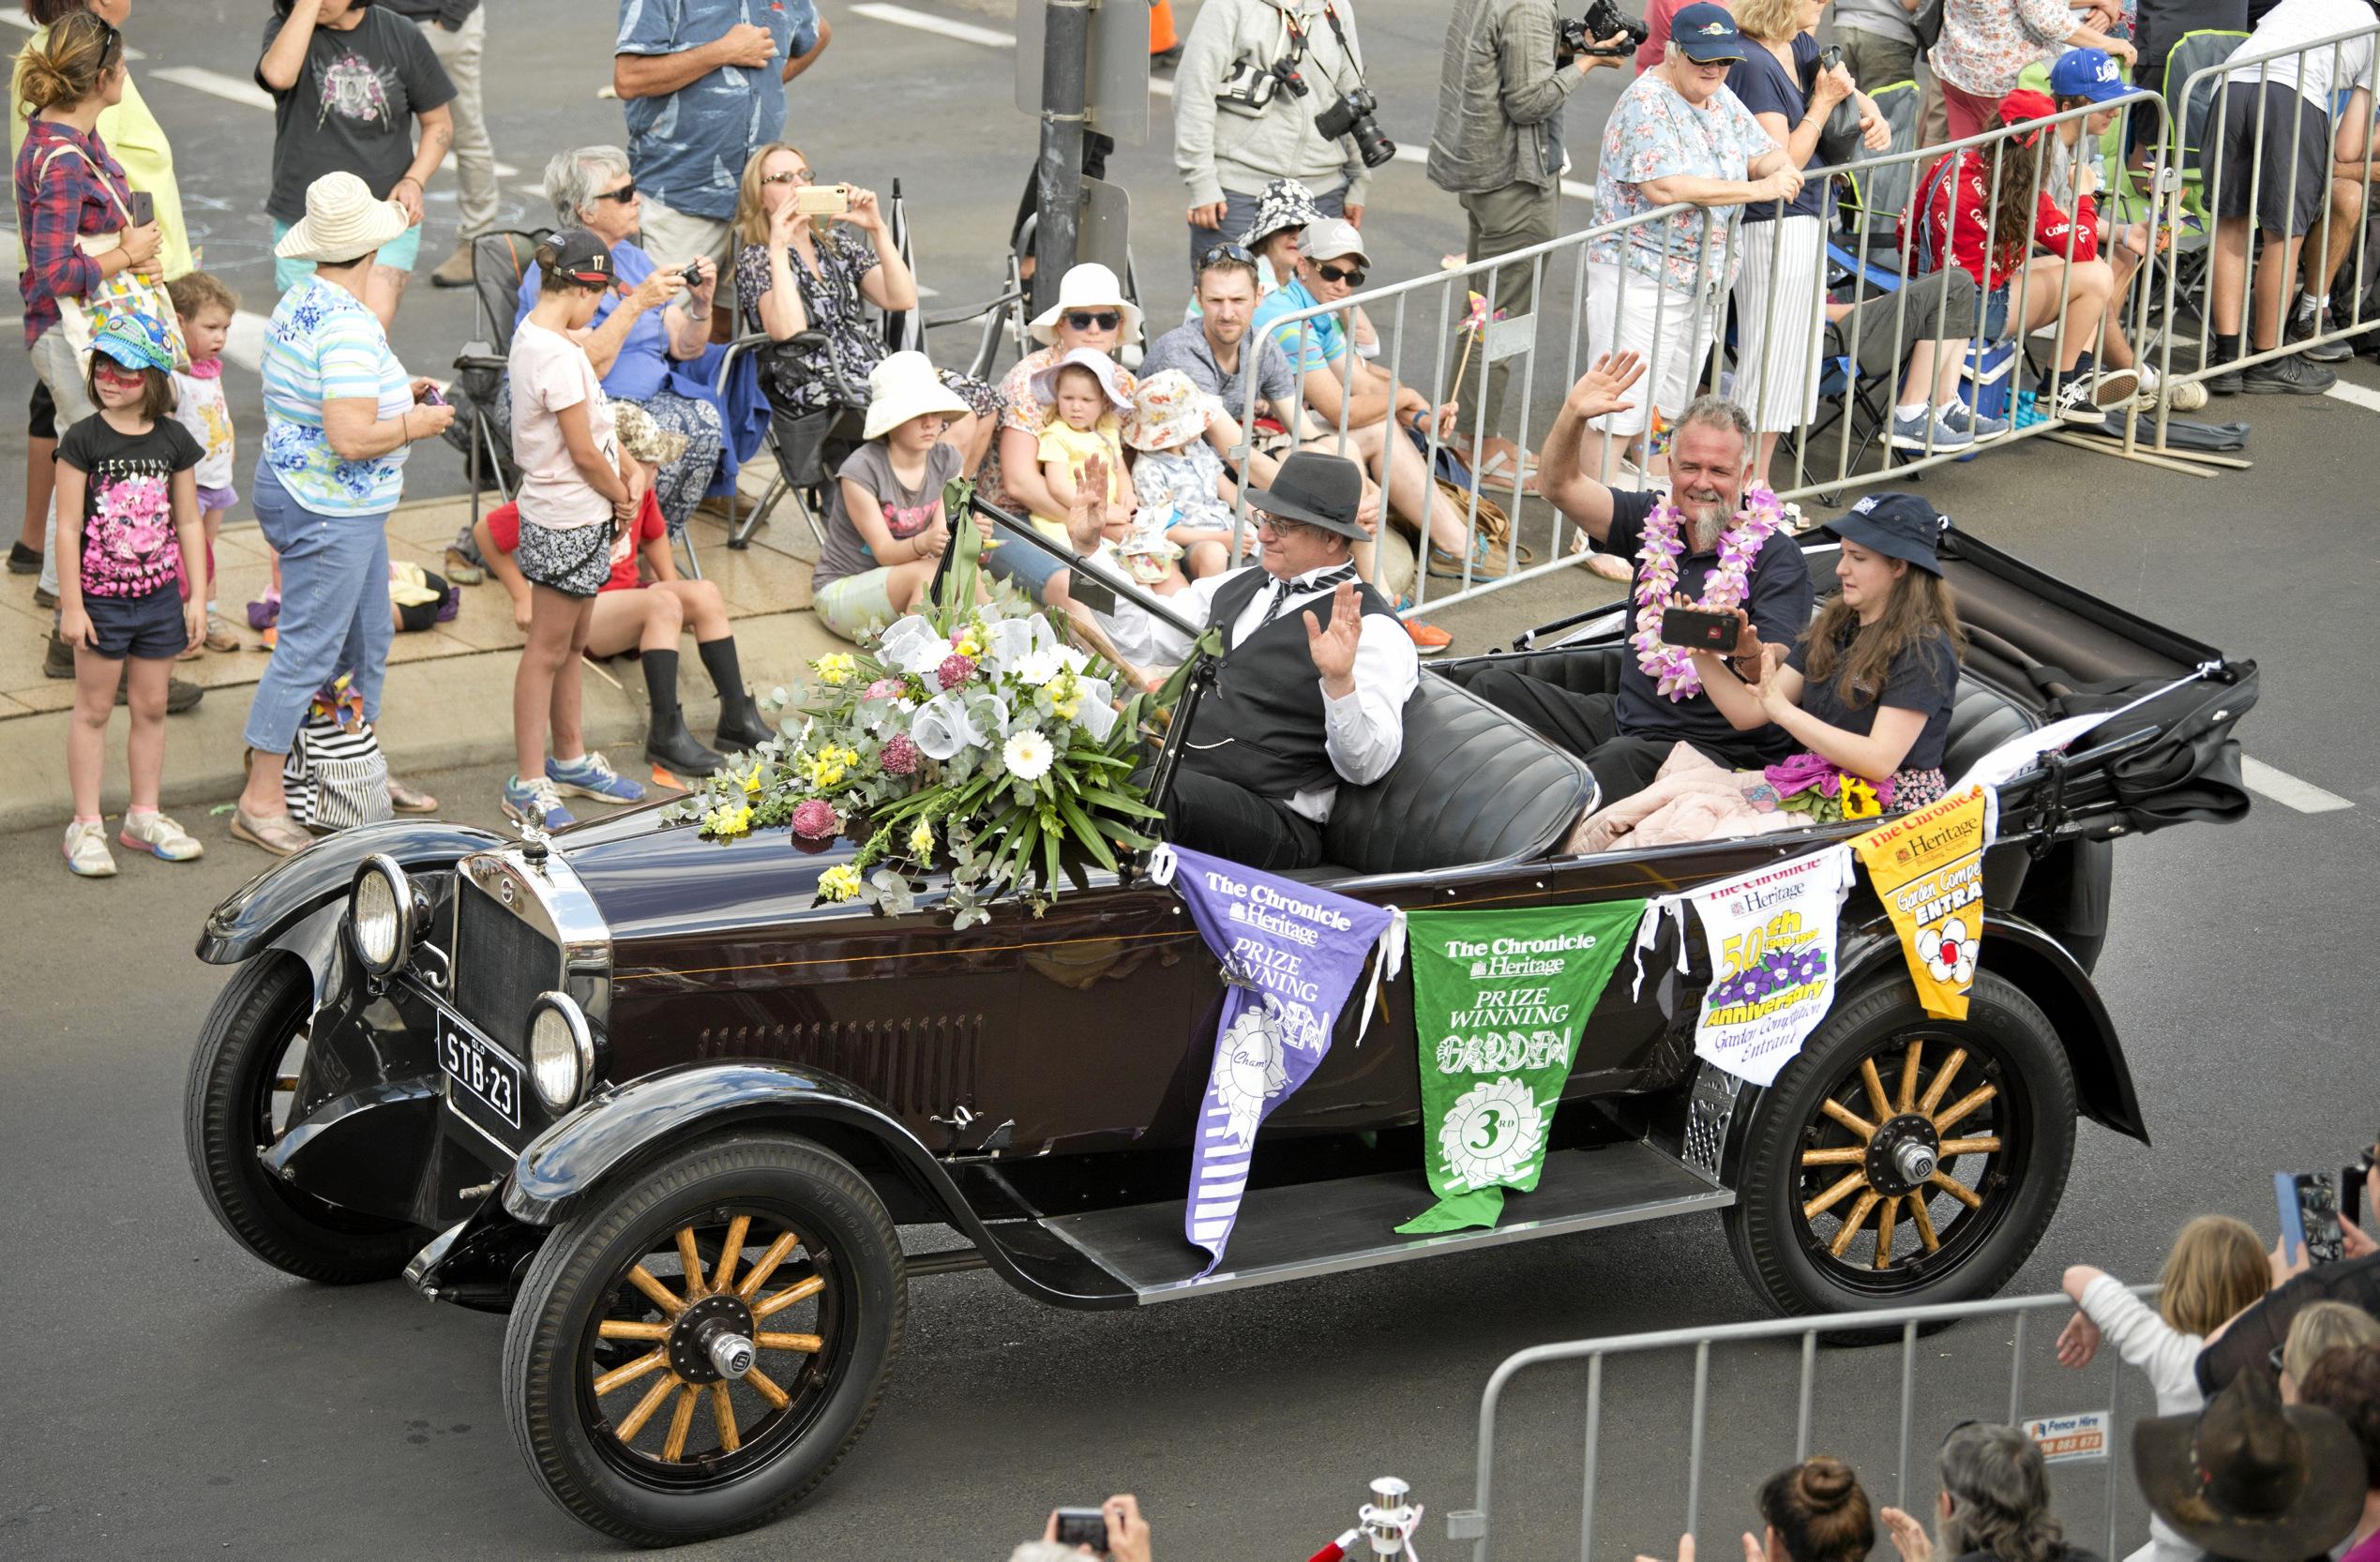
<point x="647" y="617"/>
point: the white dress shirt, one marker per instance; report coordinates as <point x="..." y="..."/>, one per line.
<point x="1364" y="733"/>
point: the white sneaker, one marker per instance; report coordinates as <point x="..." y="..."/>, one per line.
<point x="86" y="850"/>
<point x="160" y="838"/>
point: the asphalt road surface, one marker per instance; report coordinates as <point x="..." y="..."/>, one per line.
<point x="168" y="1397"/>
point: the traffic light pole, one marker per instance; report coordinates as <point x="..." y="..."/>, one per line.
<point x="1064" y="84"/>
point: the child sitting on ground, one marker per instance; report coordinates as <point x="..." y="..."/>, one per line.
<point x="887" y="531"/>
<point x="207" y="307"/>
<point x="1085" y="394"/>
<point x="1184" y="492"/>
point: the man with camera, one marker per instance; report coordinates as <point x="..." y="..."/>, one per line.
<point x="1266" y="90"/>
<point x="1508" y="70"/>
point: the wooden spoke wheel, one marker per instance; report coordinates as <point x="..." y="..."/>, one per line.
<point x="241" y="1098"/>
<point x="696" y="1349"/>
<point x="1903" y="1159"/>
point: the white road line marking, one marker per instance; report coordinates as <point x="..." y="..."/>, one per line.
<point x="215" y="85"/>
<point x="1409" y="153"/>
<point x="18" y="18"/>
<point x="2285" y="789"/>
<point x="2356" y="396"/>
<point x="902" y="16"/>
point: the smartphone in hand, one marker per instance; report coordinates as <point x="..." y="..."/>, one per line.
<point x="1697" y="630"/>
<point x="144" y="208"/>
<point x="2309" y="1215"/>
<point x="1083" y="1526"/>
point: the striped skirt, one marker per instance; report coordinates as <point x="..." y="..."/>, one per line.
<point x="1780" y="321"/>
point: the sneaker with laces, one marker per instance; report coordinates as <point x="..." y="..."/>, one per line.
<point x="221" y="636"/>
<point x="537" y="804"/>
<point x="2078" y="403"/>
<point x="2303" y="324"/>
<point x="1912" y="433"/>
<point x="592" y="776"/>
<point x="2290" y="376"/>
<point x="160" y="838"/>
<point x="1974" y="424"/>
<point x="86" y="850"/>
<point x="1428" y="638"/>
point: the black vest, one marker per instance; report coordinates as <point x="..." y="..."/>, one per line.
<point x="1260" y="726"/>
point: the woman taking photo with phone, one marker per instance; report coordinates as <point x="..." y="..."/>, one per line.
<point x="1866" y="692"/>
<point x="800" y="270"/>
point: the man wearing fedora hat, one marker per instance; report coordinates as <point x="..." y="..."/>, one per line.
<point x="1312" y="685"/>
<point x="2251" y="1479"/>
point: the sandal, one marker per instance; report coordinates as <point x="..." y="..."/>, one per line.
<point x="277" y="833"/>
<point x="410" y="800"/>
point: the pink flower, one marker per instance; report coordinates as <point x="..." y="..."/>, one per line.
<point x="885" y="688"/>
<point x="815" y="820"/>
<point x="898" y="755"/>
<point x="958" y="634"/>
<point x="956" y="669"/>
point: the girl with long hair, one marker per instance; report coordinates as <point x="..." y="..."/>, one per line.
<point x="1866" y="691"/>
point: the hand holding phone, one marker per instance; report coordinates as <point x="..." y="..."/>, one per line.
<point x="821" y="200"/>
<point x="1080" y="1526"/>
<point x="2309" y="1204"/>
<point x="1697" y="630"/>
<point x="144" y="208"/>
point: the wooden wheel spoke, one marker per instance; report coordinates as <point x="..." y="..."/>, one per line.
<point x="757" y="1275"/>
<point x="1942" y="1085"/>
<point x="1849" y="1156"/>
<point x="764" y="1385"/>
<point x="1877" y="1100"/>
<point x="1970" y="1146"/>
<point x="690" y="1257"/>
<point x="1957" y="1190"/>
<point x="634" y="1424"/>
<point x="285" y="1082"/>
<point x="1910" y="1058"/>
<point x="799" y="1290"/>
<point x="723" y="1417"/>
<point x="1859" y="1217"/>
<point x="673" y="1446"/>
<point x="624" y="1329"/>
<point x="729" y="1251"/>
<point x="1848" y="1118"/>
<point x="619" y="1376"/>
<point x="1924" y="1218"/>
<point x="1885" y="1215"/>
<point x="665" y="1299"/>
<point x="1833" y="1195"/>
<point x="809" y="1343"/>
<point x="1965" y="1105"/>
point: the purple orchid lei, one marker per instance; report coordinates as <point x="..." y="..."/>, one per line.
<point x="1671" y="668"/>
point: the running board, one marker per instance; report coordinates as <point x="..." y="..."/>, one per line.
<point x="1318" y="1228"/>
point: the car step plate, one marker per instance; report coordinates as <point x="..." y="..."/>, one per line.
<point x="1316" y="1228"/>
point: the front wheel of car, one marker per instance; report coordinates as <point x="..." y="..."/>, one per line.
<point x="695" y="1351"/>
<point x="1903" y="1160"/>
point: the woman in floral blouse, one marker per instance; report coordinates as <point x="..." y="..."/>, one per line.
<point x="1986" y="44"/>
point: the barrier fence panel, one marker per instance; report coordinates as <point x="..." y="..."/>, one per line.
<point x="2071" y="1440"/>
<point x="1916" y="329"/>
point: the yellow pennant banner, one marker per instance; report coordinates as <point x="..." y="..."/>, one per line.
<point x="1927" y="867"/>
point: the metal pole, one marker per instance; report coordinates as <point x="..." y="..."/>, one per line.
<point x="1065" y="64"/>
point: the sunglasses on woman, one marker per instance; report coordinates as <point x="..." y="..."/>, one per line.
<point x="798" y="176"/>
<point x="1352" y="276"/>
<point x="1087" y="320"/>
<point x="624" y="194"/>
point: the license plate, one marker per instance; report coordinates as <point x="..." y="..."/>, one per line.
<point x="491" y="1077"/>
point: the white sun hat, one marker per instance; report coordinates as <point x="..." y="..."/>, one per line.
<point x="903" y="386"/>
<point x="342" y="222"/>
<point x="1089" y="286"/>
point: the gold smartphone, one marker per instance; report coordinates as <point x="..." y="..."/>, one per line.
<point x="822" y="200"/>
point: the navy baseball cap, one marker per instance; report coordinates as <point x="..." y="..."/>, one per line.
<point x="2090" y="73"/>
<point x="1706" y="34"/>
<point x="1897" y="525"/>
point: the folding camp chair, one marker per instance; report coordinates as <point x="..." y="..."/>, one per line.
<point x="499" y="262"/>
<point x="1877" y="199"/>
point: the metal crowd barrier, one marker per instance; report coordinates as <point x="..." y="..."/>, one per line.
<point x="1486" y="1525"/>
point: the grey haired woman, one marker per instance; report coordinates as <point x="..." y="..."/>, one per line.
<point x="1995" y="1505"/>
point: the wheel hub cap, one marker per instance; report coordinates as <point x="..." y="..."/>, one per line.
<point x="1904" y="1154"/>
<point x="711" y="1340"/>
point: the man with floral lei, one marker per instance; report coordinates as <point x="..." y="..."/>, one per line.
<point x="1717" y="542"/>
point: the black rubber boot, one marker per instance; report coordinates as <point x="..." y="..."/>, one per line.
<point x="666" y="740"/>
<point x="741" y="724"/>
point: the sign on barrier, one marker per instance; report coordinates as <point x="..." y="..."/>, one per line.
<point x="2075" y="1439"/>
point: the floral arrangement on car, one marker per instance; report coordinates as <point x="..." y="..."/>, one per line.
<point x="967" y="736"/>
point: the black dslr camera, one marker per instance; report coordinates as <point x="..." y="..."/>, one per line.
<point x="1603" y="20"/>
<point x="1352" y="116"/>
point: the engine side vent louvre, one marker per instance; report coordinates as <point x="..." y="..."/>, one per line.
<point x="912" y="1065"/>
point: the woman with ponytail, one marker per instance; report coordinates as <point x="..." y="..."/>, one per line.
<point x="1813" y="1511"/>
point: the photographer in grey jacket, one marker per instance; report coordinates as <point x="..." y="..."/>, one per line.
<point x="1254" y="77"/>
<point x="1494" y="148"/>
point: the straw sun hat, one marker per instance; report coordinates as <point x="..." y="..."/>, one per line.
<point x="342" y="222"/>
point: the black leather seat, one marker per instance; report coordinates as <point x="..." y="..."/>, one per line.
<point x="1981" y="719"/>
<point x="1472" y="786"/>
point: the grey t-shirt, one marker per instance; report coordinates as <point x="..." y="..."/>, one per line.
<point x="907" y="511"/>
<point x="1883" y="19"/>
<point x="352" y="110"/>
<point x="1185" y="348"/>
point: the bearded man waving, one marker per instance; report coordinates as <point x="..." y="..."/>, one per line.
<point x="1720" y="545"/>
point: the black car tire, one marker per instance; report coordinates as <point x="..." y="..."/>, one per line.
<point x="557" y="1422"/>
<point x="226" y="1123"/>
<point x="2005" y="1034"/>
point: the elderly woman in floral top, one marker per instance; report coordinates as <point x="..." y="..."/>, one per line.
<point x="1986" y="44"/>
<point x="1655" y="289"/>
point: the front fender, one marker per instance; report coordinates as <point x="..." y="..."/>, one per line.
<point x="256" y="915"/>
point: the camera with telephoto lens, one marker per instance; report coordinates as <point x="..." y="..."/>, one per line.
<point x="1352" y="116"/>
<point x="1603" y="20"/>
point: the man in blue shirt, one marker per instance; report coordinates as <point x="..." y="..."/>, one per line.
<point x="702" y="82"/>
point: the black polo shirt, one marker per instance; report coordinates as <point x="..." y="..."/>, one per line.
<point x="1777" y="598"/>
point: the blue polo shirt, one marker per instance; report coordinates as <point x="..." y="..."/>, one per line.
<point x="1324" y="342"/>
<point x="688" y="149"/>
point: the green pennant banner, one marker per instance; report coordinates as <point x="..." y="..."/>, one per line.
<point x="1500" y="1000"/>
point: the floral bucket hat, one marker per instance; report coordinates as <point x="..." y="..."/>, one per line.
<point x="1285" y="204"/>
<point x="1168" y="411"/>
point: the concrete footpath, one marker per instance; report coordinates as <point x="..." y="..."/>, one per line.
<point x="448" y="696"/>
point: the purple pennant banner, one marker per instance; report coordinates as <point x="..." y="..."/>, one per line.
<point x="1290" y="955"/>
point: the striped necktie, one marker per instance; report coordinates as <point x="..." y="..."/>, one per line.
<point x="1284" y="590"/>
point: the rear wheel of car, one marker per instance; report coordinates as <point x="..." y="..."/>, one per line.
<point x="1904" y="1159"/>
<point x="695" y="1351"/>
<point x="241" y="1098"/>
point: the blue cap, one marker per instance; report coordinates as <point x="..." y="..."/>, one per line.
<point x="1897" y="525"/>
<point x="2090" y="73"/>
<point x="134" y="340"/>
<point x="1706" y="34"/>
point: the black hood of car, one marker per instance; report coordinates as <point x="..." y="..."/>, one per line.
<point x="649" y="878"/>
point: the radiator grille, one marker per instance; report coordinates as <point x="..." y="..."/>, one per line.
<point x="911" y="1065"/>
<point x="502" y="964"/>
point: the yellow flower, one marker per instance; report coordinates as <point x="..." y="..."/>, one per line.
<point x="731" y="819"/>
<point x="752" y="782"/>
<point x="1066" y="709"/>
<point x="836" y="668"/>
<point x="840" y="882"/>
<point x="921" y="840"/>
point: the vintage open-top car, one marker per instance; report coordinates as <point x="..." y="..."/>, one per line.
<point x="637" y="1088"/>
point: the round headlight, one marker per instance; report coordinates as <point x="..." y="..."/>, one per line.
<point x="380" y="908"/>
<point x="560" y="1051"/>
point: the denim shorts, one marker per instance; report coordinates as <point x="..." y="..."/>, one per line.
<point x="1023" y="566"/>
<point x="149" y="627"/>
